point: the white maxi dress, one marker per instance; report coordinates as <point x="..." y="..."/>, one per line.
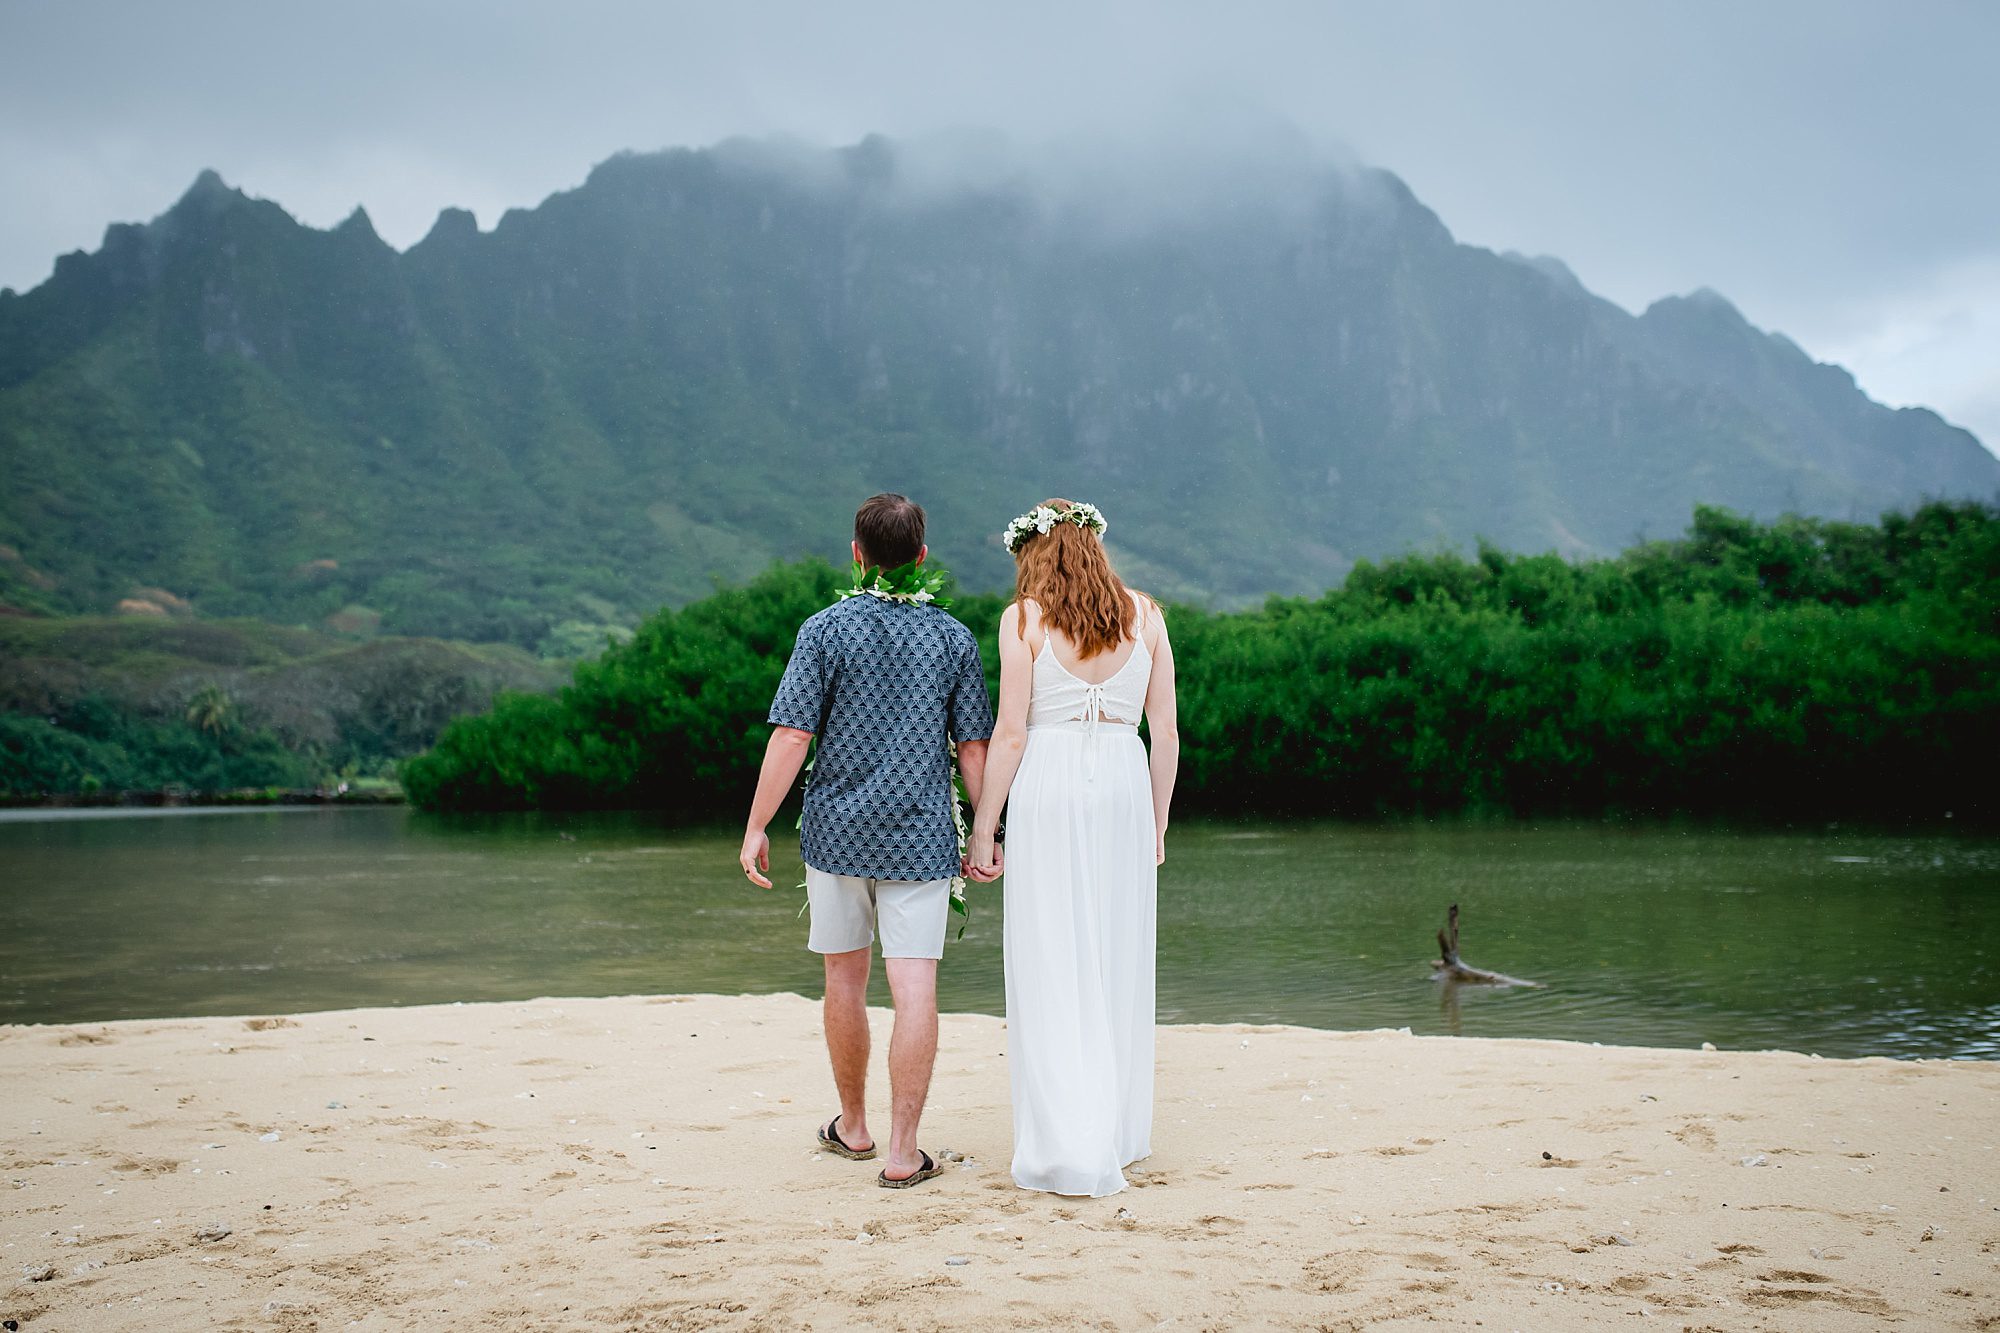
<point x="1080" y="928"/>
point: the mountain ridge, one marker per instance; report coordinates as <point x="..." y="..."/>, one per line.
<point x="689" y="364"/>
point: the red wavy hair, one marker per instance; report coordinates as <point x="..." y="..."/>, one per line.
<point x="1066" y="572"/>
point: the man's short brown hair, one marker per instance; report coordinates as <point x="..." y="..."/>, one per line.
<point x="890" y="529"/>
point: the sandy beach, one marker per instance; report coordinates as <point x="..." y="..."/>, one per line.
<point x="647" y="1163"/>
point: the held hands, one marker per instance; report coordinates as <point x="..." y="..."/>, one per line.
<point x="984" y="861"/>
<point x="755" y="857"/>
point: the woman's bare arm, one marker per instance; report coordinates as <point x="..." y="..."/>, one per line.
<point x="1010" y="736"/>
<point x="1163" y="728"/>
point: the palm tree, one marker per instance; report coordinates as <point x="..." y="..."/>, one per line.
<point x="212" y="710"/>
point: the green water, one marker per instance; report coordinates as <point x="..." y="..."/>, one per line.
<point x="1837" y="942"/>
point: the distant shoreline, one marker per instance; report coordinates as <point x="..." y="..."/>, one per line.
<point x="168" y="799"/>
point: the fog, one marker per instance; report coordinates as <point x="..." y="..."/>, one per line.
<point x="1184" y="170"/>
<point x="1829" y="166"/>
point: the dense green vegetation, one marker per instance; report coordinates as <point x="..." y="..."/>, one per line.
<point x="92" y="747"/>
<point x="696" y="364"/>
<point x="1802" y="668"/>
<point x="92" y="705"/>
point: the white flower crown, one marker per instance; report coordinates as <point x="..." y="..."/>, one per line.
<point x="1041" y="518"/>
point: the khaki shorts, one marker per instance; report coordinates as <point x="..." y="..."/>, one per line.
<point x="848" y="909"/>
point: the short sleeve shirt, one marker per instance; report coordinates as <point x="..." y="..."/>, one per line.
<point x="883" y="685"/>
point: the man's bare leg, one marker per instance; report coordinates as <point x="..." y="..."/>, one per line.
<point x="912" y="1053"/>
<point x="846" y="1020"/>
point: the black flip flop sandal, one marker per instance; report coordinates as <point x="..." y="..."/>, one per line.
<point x="829" y="1139"/>
<point x="924" y="1172"/>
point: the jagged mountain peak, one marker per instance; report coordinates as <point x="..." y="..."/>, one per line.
<point x="207" y="180"/>
<point x="1706" y="322"/>
<point x="358" y="224"/>
<point x="210" y="207"/>
<point x="453" y="225"/>
<point x="208" y="193"/>
<point x="1704" y="305"/>
<point x="695" y="360"/>
<point x="1549" y="267"/>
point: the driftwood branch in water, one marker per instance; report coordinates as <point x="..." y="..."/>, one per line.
<point x="1449" y="967"/>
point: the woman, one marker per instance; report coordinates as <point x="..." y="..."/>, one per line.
<point x="1080" y="658"/>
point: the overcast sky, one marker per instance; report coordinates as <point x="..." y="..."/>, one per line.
<point x="1832" y="167"/>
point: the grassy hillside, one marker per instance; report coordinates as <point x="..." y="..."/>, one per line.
<point x="697" y="363"/>
<point x="108" y="704"/>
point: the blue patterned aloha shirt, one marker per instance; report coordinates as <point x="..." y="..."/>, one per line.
<point x="883" y="685"/>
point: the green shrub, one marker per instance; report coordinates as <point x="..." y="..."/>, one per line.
<point x="1796" y="669"/>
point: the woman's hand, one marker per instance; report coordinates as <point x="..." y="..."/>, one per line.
<point x="982" y="857"/>
<point x="1160" y="850"/>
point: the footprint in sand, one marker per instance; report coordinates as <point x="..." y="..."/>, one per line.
<point x="1731" y="1256"/>
<point x="1695" y="1135"/>
<point x="1793" y="1298"/>
<point x="1334" y="1272"/>
<point x="147" y="1166"/>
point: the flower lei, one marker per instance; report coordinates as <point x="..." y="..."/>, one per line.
<point x="916" y="585"/>
<point x="1038" y="521"/>
<point x="907" y="585"/>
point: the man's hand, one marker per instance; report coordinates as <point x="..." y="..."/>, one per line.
<point x="756" y="856"/>
<point x="782" y="757"/>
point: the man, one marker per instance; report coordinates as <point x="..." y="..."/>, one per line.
<point x="884" y="680"/>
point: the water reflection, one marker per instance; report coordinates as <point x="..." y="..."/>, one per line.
<point x="1836" y="942"/>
